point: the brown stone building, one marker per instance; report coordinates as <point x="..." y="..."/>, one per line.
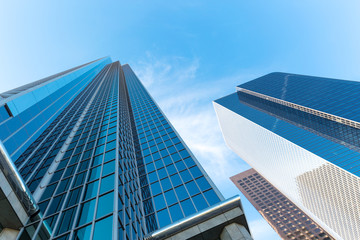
<point x="282" y="214"/>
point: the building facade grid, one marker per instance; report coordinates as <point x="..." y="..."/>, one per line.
<point x="104" y="162"/>
<point x="312" y="158"/>
<point x="282" y="214"/>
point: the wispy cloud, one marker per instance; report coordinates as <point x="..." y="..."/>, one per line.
<point x="159" y="70"/>
<point x="187" y="102"/>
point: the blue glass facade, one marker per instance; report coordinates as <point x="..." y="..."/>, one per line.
<point x="306" y="133"/>
<point x="173" y="184"/>
<point x="99" y="156"/>
<point x="24" y="116"/>
<point x="335" y="97"/>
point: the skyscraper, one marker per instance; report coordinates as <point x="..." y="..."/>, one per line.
<point x="301" y="133"/>
<point x="100" y="160"/>
<point x="282" y="214"/>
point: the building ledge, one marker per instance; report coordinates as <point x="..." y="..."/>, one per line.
<point x="207" y="224"/>
<point x="16" y="201"/>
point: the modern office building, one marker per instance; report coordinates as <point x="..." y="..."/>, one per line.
<point x="284" y="216"/>
<point x="302" y="134"/>
<point x="87" y="154"/>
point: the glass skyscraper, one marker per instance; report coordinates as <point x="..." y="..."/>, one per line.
<point x="301" y="133"/>
<point x="100" y="160"/>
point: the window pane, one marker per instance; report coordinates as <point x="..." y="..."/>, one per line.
<point x="203" y="183"/>
<point x="165" y="183"/>
<point x="63" y="185"/>
<point x="176" y="212"/>
<point x="91" y="190"/>
<point x="195" y="171"/>
<point x="162" y="173"/>
<point x="180" y="165"/>
<point x="105" y="205"/>
<point x="170" y="197"/>
<point x="155" y="188"/>
<point x="109" y="156"/>
<point x="200" y="202"/>
<point x="181" y="192"/>
<point x="86" y="212"/>
<point x="175" y="179"/>
<point x="185" y="175"/>
<point x="49" y="190"/>
<point x="164" y="218"/>
<point x="110" y="145"/>
<point x="108" y="168"/>
<point x="83" y="233"/>
<point x="192" y="188"/>
<point x="159" y="202"/>
<point x="211" y="197"/>
<point x="94" y="173"/>
<point x="103" y="229"/>
<point x="74" y="197"/>
<point x="152" y="177"/>
<point x="97" y="160"/>
<point x="150" y="167"/>
<point x="107" y="184"/>
<point x="56" y="204"/>
<point x="66" y="221"/>
<point x="188" y="207"/>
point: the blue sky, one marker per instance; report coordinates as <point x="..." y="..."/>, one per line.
<point x="187" y="53"/>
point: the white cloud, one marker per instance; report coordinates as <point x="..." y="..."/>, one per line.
<point x="154" y="70"/>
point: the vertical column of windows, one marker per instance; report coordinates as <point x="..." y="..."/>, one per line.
<point x="78" y="182"/>
<point x="92" y="205"/>
<point x="177" y="186"/>
<point x="53" y="139"/>
<point x="131" y="217"/>
<point x="31" y="158"/>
